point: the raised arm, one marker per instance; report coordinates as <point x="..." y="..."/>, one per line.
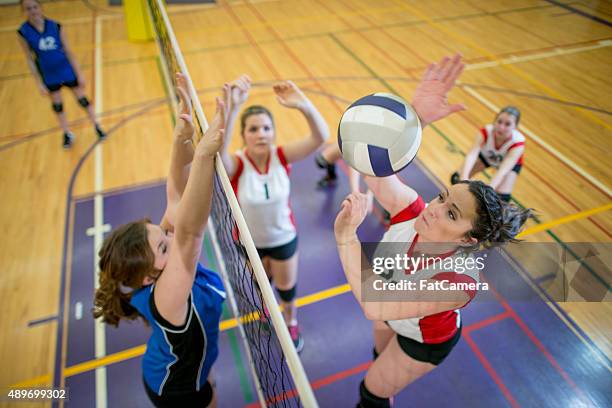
<point x="422" y="302"/>
<point x="174" y="284"/>
<point x="181" y="155"/>
<point x="290" y="96"/>
<point x="236" y="93"/>
<point x="32" y="66"/>
<point x="470" y="158"/>
<point x="506" y="165"/>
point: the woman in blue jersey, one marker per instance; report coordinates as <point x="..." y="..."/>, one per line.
<point x="152" y="272"/>
<point x="53" y="64"/>
<point x="260" y="177"/>
<point x="415" y="332"/>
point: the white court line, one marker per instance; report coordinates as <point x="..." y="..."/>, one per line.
<point x="542" y="143"/>
<point x="513" y="59"/>
<point x="99" y="227"/>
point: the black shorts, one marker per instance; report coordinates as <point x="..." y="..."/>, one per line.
<point x="428" y="353"/>
<point x="56" y="87"/>
<point x="195" y="399"/>
<point x="516" y="168"/>
<point x="280" y="253"/>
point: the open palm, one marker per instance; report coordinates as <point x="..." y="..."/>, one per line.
<point x="289" y="95"/>
<point x="430" y="98"/>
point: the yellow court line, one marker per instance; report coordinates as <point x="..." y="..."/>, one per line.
<point x="301" y="302"/>
<point x="565" y="220"/>
<point x="516" y="70"/>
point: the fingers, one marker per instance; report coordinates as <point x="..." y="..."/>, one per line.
<point x="458" y="107"/>
<point x="429" y="72"/>
<point x="184" y="101"/>
<point x="454" y="69"/>
<point x="441" y="68"/>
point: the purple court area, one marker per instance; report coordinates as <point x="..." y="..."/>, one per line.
<point x="513" y="353"/>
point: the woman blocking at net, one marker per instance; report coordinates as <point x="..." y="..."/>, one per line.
<point x="260" y="177"/>
<point x="152" y="272"/>
<point x="414" y="335"/>
<point x="499" y="145"/>
<point x="53" y="65"/>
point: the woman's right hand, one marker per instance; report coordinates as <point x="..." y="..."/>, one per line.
<point x="184" y="128"/>
<point x="212" y="141"/>
<point x="43" y="89"/>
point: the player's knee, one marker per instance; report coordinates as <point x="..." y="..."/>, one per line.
<point x="369" y="400"/>
<point x="505" y="197"/>
<point x="287" y="295"/>
<point x="57" y="107"/>
<point x="83" y="101"/>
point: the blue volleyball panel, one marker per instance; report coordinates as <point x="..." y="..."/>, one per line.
<point x="379" y="159"/>
<point x="384" y="102"/>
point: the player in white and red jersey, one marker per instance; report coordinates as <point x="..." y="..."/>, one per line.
<point x="260" y="177"/>
<point x="413" y="335"/>
<point x="499" y="145"/>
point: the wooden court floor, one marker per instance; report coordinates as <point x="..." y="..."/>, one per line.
<point x="550" y="58"/>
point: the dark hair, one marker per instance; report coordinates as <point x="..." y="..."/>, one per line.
<point x="511" y="110"/>
<point x="496" y="221"/>
<point x="125" y="260"/>
<point x="253" y="110"/>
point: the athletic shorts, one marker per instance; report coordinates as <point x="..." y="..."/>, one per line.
<point x="195" y="399"/>
<point x="56" y="87"/>
<point x="280" y="253"/>
<point x="516" y="168"/>
<point x="428" y="353"/>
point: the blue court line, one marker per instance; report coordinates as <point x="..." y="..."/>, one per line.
<point x="580" y="12"/>
<point x="42" y="320"/>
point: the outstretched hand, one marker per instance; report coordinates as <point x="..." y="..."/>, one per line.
<point x="430" y="98"/>
<point x="184" y="128"/>
<point x="353" y="211"/>
<point x="239" y="91"/>
<point x="289" y="95"/>
<point x="212" y="140"/>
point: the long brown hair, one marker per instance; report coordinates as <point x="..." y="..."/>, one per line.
<point x="125" y="260"/>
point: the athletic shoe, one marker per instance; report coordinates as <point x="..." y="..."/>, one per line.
<point x="100" y="132"/>
<point x="68" y="140"/>
<point x="320" y="161"/>
<point x="326" y="181"/>
<point x="296" y="337"/>
<point x="455" y="178"/>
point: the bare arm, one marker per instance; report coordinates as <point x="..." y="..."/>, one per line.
<point x="32" y="65"/>
<point x="181" y="156"/>
<point x="289" y="95"/>
<point x="391" y="193"/>
<point x="236" y="94"/>
<point x="349" y="249"/>
<point x="72" y="59"/>
<point x="174" y="285"/>
<point x="506" y="166"/>
<point x="470" y="158"/>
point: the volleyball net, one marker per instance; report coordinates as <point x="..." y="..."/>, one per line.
<point x="278" y="375"/>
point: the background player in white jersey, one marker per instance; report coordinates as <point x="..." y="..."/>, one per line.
<point x="413" y="336"/>
<point x="260" y="176"/>
<point x="499" y="145"/>
<point x="53" y="65"/>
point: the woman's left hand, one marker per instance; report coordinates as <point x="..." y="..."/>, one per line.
<point x="353" y="211"/>
<point x="430" y="98"/>
<point x="289" y="95"/>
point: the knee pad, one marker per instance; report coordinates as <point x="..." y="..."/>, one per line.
<point x="505" y="197"/>
<point x="287" y="295"/>
<point x="57" y="107"/>
<point x="369" y="400"/>
<point x="83" y="101"/>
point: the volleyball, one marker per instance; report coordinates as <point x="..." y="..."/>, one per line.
<point x="379" y="134"/>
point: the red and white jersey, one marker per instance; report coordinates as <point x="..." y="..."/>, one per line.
<point x="264" y="198"/>
<point x="438" y="327"/>
<point x="494" y="155"/>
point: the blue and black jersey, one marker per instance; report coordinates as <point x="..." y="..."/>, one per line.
<point x="51" y="59"/>
<point x="178" y="359"/>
